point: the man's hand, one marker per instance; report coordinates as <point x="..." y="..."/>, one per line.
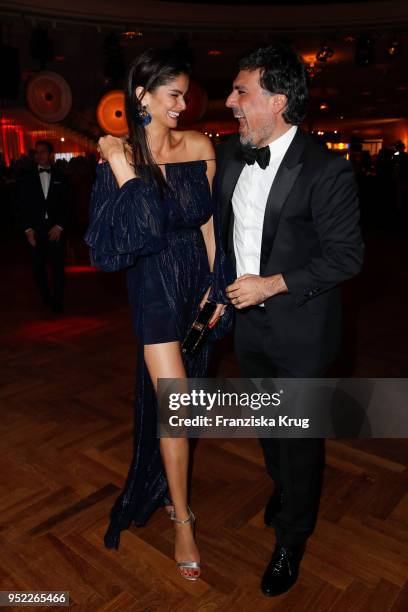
<point x="54" y="233"/>
<point x="251" y="289"/>
<point x="31" y="237"/>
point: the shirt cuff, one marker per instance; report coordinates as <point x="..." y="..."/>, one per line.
<point x="29" y="229"/>
<point x="61" y="228"/>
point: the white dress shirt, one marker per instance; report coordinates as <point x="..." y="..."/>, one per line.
<point x="249" y="203"/>
<point x="45" y="178"/>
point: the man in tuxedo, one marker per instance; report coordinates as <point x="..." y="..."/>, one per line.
<point x="290" y="222"/>
<point x="42" y="195"/>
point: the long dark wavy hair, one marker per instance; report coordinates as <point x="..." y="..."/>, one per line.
<point x="282" y="71"/>
<point x="150" y="70"/>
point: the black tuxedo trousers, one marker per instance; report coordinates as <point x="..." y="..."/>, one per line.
<point x="295" y="464"/>
<point x="52" y="254"/>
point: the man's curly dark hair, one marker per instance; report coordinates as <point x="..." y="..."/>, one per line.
<point x="282" y="71"/>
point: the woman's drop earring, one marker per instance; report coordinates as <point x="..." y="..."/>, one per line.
<point x="144" y="116"/>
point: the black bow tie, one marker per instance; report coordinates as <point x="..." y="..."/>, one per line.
<point x="251" y="155"/>
<point x="44" y="170"/>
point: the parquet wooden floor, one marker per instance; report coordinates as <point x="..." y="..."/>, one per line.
<point x="66" y="413"/>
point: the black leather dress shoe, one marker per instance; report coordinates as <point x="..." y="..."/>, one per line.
<point x="282" y="571"/>
<point x="273" y="506"/>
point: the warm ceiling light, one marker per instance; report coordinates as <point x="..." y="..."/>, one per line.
<point x="131" y="34"/>
<point x="393" y="50"/>
<point x="311" y="70"/>
<point x="324" y="53"/>
<point x="309" y="58"/>
<point x="324" y="106"/>
<point x="215" y="52"/>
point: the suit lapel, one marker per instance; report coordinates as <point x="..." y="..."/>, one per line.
<point x="52" y="178"/>
<point x="38" y="184"/>
<point x="285" y="178"/>
<point x="227" y="182"/>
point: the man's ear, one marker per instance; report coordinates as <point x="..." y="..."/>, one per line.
<point x="279" y="102"/>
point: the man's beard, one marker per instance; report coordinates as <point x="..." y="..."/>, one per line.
<point x="254" y="139"/>
<point x="246" y="140"/>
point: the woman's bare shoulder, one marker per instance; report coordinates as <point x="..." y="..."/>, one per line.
<point x="198" y="145"/>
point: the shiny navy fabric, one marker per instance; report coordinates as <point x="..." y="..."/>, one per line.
<point x="160" y="243"/>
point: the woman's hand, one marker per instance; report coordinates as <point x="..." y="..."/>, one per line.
<point x="115" y="150"/>
<point x="111" y="146"/>
<point x="219" y="311"/>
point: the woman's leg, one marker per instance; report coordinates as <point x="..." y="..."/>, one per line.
<point x="164" y="361"/>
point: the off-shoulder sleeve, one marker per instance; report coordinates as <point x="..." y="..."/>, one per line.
<point x="125" y="222"/>
<point x="221" y="276"/>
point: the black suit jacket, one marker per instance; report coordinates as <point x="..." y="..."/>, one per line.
<point x="32" y="205"/>
<point x="311" y="235"/>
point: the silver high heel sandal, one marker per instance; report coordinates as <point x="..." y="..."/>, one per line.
<point x="193" y="567"/>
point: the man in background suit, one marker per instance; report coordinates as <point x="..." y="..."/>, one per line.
<point x="42" y="195"/>
<point x="290" y="219"/>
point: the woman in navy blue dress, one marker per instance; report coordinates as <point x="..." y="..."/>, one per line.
<point x="152" y="213"/>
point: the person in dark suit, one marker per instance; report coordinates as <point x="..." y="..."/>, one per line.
<point x="290" y="217"/>
<point x="42" y="194"/>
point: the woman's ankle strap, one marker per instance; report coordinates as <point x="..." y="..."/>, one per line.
<point x="189" y="519"/>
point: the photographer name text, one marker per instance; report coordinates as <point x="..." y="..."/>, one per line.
<point x="252" y="421"/>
